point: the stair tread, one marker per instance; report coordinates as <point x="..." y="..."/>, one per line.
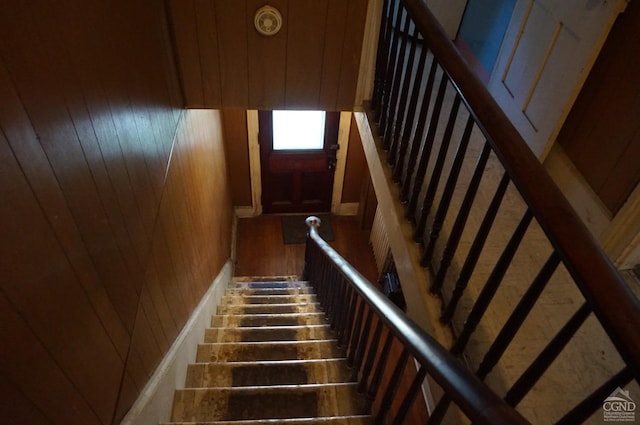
<point x="261" y="402"/>
<point x="333" y="420"/>
<point x="275" y="372"/>
<point x="270" y="291"/>
<point x="268" y="333"/>
<point x="272" y="350"/>
<point x="253" y="299"/>
<point x="273" y="319"/>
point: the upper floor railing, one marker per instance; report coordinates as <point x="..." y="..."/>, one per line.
<point x="447" y="140"/>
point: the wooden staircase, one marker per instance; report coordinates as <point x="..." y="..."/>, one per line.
<point x="269" y="357"/>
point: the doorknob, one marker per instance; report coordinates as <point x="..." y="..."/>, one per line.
<point x="331" y="163"/>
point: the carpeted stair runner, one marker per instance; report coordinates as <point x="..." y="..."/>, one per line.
<point x="269" y="358"/>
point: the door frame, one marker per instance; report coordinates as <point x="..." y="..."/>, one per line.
<point x="337" y="207"/>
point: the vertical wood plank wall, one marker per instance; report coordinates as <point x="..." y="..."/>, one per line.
<point x="312" y="63"/>
<point x="111" y="224"/>
<point x="356" y="167"/>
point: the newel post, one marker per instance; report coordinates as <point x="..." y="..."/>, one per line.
<point x="313" y="223"/>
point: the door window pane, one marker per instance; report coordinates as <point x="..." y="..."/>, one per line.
<point x="298" y="130"/>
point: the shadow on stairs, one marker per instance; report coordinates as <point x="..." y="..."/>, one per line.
<point x="269" y="357"/>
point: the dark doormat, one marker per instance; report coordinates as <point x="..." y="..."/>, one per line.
<point x="294" y="229"/>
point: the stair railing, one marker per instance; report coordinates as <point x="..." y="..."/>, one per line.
<point x="360" y="315"/>
<point x="417" y="70"/>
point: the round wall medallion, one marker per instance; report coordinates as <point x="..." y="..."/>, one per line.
<point x="268" y="20"/>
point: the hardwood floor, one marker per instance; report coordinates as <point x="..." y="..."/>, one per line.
<point x="261" y="251"/>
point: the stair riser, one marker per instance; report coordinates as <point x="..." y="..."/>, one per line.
<point x="277" y="333"/>
<point x="203" y="375"/>
<point x="268" y="299"/>
<point x="268" y="320"/>
<point x="342" y="420"/>
<point x="269" y="285"/>
<point x="268" y="291"/>
<point x="266" y="402"/>
<point x="243" y="352"/>
<point x="269" y="309"/>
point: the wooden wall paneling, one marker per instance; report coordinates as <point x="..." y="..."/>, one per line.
<point x="143" y="81"/>
<point x="209" y="63"/>
<point x="231" y="22"/>
<point x="332" y="55"/>
<point x="155" y="285"/>
<point x="351" y="53"/>
<point x="179" y="199"/>
<point x="155" y="322"/>
<point x="129" y="391"/>
<point x="625" y="175"/>
<point x="78" y="96"/>
<point x="16" y="408"/>
<point x="144" y="342"/>
<point x="34" y="163"/>
<point x="305" y="50"/>
<point x="237" y="150"/>
<point x="191" y="186"/>
<point x="39" y="281"/>
<point x="186" y="37"/>
<point x="170" y="229"/>
<point x="356" y="167"/>
<point x="169" y="277"/>
<point x="267" y="59"/>
<point x="43" y="94"/>
<point x="30" y="367"/>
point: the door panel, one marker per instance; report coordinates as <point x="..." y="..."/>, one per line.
<point x="548" y="48"/>
<point x="297" y="181"/>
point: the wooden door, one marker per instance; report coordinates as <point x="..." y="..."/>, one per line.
<point x="297" y="180"/>
<point x="547" y="51"/>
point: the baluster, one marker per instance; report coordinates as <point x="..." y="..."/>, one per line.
<point x="334" y="297"/>
<point x="418" y="137"/>
<point x="492" y="284"/>
<point x="394" y="140"/>
<point x="380" y="367"/>
<point x="398" y="76"/>
<point x="363" y="386"/>
<point x="382" y="53"/>
<point x="447" y="193"/>
<point x="322" y="278"/>
<point x="346" y="318"/>
<point x="437" y="171"/>
<point x="389" y="72"/>
<point x="426" y="149"/>
<point x="475" y="250"/>
<point x="440" y="410"/>
<point x="533" y="373"/>
<point x="410" y="397"/>
<point x="362" y="345"/>
<point x="586" y="408"/>
<point x="517" y="317"/>
<point x="461" y="218"/>
<point x="411" y="108"/>
<point x="353" y="343"/>
<point x="392" y="387"/>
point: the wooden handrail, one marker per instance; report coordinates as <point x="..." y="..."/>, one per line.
<point x="611" y="299"/>
<point x="473" y="396"/>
